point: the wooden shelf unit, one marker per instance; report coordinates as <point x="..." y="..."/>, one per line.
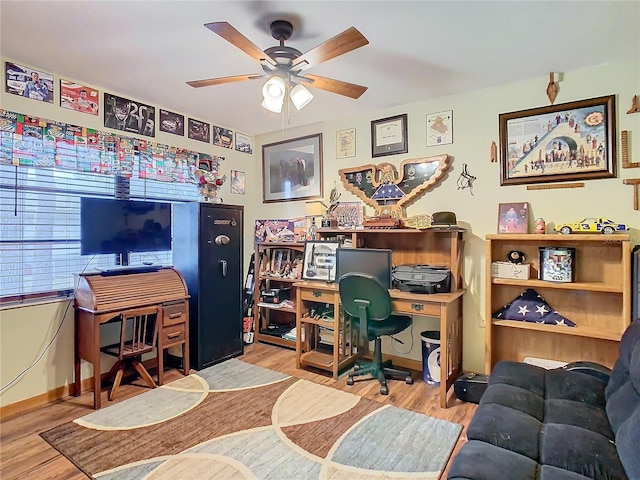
<point x="411" y="246"/>
<point x="599" y="301"/>
<point x="310" y="349"/>
<point x="264" y="314"/>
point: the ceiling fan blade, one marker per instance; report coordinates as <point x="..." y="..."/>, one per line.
<point x="342" y="43"/>
<point x="218" y="81"/>
<point x="233" y="36"/>
<point x="336" y="86"/>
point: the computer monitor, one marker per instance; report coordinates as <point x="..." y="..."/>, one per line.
<point x="374" y="261"/>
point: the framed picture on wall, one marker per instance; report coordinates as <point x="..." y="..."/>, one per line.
<point x="346" y="143"/>
<point x="389" y="136"/>
<point x="513" y="217"/>
<point x="292" y="169"/>
<point x="569" y="141"/>
<point x="440" y="128"/>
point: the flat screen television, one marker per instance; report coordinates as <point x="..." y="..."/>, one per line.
<point x="374" y="261"/>
<point x="115" y="226"/>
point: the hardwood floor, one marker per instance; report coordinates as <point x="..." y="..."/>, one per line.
<point x="25" y="455"/>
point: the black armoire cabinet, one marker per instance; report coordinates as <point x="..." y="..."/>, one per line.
<point x="207" y="251"/>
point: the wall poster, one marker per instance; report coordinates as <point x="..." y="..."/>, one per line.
<point x="129" y="116"/>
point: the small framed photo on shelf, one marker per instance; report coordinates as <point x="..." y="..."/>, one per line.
<point x="556" y="264"/>
<point x="513" y="217"/>
<point x="319" y="261"/>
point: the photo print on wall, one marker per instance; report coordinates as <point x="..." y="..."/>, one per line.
<point x="79" y="97"/>
<point x="440" y="128"/>
<point x="222" y="137"/>
<point x="129" y="116"/>
<point x="238" y="182"/>
<point x="28" y="82"/>
<point x="198" y="130"/>
<point x="171" y="122"/>
<point x="244" y="143"/>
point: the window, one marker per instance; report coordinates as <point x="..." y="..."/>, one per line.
<point x="40" y="226"/>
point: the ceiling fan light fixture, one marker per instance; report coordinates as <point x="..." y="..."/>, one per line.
<point x="274" y="89"/>
<point x="300" y="96"/>
<point x="273" y="104"/>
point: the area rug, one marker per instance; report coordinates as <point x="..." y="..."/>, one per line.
<point x="240" y="421"/>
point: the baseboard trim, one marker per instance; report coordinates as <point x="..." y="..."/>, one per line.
<point x="56" y="394"/>
<point x="39" y="400"/>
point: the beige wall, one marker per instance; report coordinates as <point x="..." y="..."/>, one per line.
<point x="24" y="332"/>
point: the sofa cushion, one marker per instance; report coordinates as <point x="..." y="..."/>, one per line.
<point x="482" y="461"/>
<point x="515" y="397"/>
<point x="523" y="375"/>
<point x="569" y="412"/>
<point x="506" y="428"/>
<point x="628" y="444"/>
<point x="582" y="451"/>
<point x="580" y="387"/>
<point x="554" y="473"/>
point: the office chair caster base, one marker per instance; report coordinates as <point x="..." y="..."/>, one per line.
<point x="384" y="390"/>
<point x="408" y="380"/>
<point x="350" y="381"/>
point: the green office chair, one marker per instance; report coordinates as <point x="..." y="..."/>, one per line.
<point x="368" y="303"/>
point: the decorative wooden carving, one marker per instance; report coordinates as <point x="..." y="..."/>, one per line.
<point x="635" y="182"/>
<point x="494" y="152"/>
<point x="624" y="144"/>
<point x="388" y="193"/>
<point x="552" y="88"/>
<point x="635" y="105"/>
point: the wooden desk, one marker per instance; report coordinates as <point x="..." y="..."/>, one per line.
<point x="99" y="299"/>
<point x="445" y="306"/>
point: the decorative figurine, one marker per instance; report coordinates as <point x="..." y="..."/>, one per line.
<point x="540" y="225"/>
<point x="515" y="256"/>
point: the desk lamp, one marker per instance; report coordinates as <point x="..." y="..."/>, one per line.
<point x="313" y="209"/>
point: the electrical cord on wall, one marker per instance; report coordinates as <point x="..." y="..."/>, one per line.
<point x="400" y="341"/>
<point x="53" y="339"/>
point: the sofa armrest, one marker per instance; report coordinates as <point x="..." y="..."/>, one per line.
<point x="590" y="368"/>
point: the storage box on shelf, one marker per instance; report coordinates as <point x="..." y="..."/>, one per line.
<point x="277" y="270"/>
<point x="598" y="301"/>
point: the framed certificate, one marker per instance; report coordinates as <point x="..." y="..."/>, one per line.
<point x="389" y="136"/>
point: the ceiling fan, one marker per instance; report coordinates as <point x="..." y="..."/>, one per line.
<point x="286" y="64"/>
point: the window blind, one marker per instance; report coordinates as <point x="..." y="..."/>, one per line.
<point x="40" y="226"/>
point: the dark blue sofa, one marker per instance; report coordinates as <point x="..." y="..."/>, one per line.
<point x="537" y="424"/>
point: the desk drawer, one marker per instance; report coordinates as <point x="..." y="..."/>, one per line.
<point x="317" y="295"/>
<point x="414" y="307"/>
<point x="174" y="314"/>
<point x="172" y="335"/>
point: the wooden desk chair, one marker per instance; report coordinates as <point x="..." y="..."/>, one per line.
<point x="138" y="335"/>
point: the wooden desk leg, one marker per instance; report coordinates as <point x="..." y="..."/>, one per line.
<point x="186" y="366"/>
<point x="444" y="356"/>
<point x="97" y="384"/>
<point x="160" y="357"/>
<point x="450" y="347"/>
<point x="77" y="385"/>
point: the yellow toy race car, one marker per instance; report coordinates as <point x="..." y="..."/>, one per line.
<point x="591" y="225"/>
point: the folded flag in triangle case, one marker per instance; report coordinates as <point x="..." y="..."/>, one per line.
<point x="529" y="306"/>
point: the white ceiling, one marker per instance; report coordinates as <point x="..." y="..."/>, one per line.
<point x="147" y="50"/>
